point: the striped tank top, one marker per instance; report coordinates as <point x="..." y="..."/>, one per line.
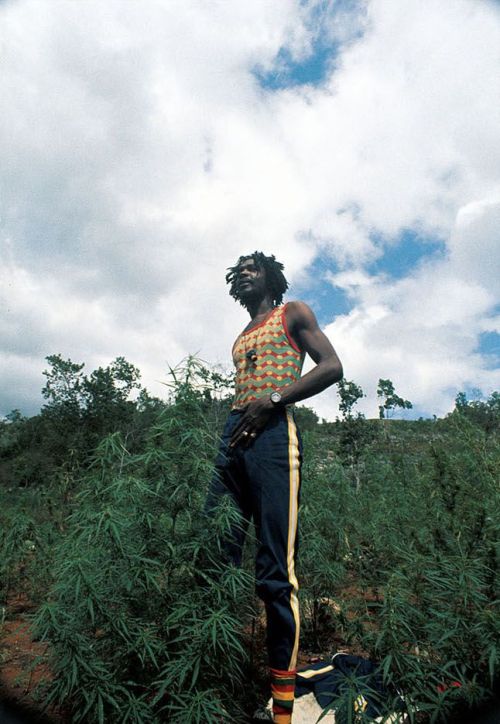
<point x="266" y="359"/>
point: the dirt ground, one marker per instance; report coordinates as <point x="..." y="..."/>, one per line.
<point x="23" y="669"/>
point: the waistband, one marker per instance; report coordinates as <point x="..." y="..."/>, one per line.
<point x="287" y="408"/>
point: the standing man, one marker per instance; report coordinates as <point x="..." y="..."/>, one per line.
<point x="260" y="457"/>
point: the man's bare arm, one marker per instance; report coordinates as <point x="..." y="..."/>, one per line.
<point x="305" y="331"/>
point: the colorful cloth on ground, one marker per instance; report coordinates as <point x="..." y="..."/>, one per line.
<point x="266" y="359"/>
<point x="282" y="692"/>
<point x="329" y="679"/>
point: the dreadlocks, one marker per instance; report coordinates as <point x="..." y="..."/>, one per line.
<point x="275" y="279"/>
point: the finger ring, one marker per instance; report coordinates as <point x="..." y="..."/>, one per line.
<point x="245" y="433"/>
<point x="253" y="434"/>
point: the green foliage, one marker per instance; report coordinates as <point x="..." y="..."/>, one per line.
<point x="306" y="419"/>
<point x="101" y="525"/>
<point x="326" y="493"/>
<point x="64" y="383"/>
<point x="349" y="393"/>
<point x="26" y="538"/>
<point x="98" y="403"/>
<point x="485" y="413"/>
<point x="386" y="391"/>
<point x="411" y="560"/>
<point x="142" y="611"/>
<point x="353" y="433"/>
<point x="80" y="410"/>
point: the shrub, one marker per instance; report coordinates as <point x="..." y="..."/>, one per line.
<point x="144" y="620"/>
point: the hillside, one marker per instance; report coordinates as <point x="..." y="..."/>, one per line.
<point x="106" y="554"/>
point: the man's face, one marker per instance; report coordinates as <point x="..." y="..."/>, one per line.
<point x="251" y="280"/>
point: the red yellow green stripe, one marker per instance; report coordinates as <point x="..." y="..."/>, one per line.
<point x="266" y="358"/>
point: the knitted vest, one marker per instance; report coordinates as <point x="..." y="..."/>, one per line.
<point x="266" y="359"/>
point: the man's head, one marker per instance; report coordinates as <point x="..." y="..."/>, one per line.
<point x="254" y="273"/>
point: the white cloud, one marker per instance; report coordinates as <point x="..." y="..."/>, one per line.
<point x="475" y="242"/>
<point x="422" y="331"/>
<point x="141" y="157"/>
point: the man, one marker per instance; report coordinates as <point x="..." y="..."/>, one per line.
<point x="260" y="457"/>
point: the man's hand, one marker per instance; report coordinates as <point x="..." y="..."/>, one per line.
<point x="255" y="417"/>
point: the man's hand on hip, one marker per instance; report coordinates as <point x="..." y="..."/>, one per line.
<point x="254" y="418"/>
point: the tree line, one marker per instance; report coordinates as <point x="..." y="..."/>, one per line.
<point x="101" y="527"/>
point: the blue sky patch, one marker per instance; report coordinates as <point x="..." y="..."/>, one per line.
<point x="489" y="346"/>
<point x="402" y="258"/>
<point x="326" y="45"/>
<point x="399" y="260"/>
<point x="326" y="301"/>
<point x="287" y="72"/>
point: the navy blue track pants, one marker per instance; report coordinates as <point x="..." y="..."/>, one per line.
<point x="263" y="481"/>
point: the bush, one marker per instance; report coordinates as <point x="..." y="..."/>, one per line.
<point x="398" y="560"/>
<point x="144" y="620"/>
<point x="407" y="562"/>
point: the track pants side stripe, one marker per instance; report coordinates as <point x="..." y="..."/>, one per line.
<point x="294" y="482"/>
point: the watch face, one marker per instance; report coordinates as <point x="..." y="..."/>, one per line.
<point x="275" y="397"/>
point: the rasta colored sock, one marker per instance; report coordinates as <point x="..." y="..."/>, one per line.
<point x="283" y="692"/>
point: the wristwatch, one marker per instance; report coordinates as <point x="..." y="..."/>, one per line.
<point x="275" y="398"/>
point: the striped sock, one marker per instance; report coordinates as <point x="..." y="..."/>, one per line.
<point x="283" y="692"/>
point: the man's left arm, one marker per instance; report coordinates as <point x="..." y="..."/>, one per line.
<point x="305" y="332"/>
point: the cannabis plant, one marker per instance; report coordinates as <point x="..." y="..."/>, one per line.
<point x="144" y="619"/>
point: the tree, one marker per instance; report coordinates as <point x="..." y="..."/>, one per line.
<point x="63" y="387"/>
<point x="15" y="416"/>
<point x="81" y="409"/>
<point x="354" y="431"/>
<point x="59" y="427"/>
<point x="306" y="419"/>
<point x="486" y="414"/>
<point x="385" y="390"/>
<point x="349" y="393"/>
<point x="110" y="385"/>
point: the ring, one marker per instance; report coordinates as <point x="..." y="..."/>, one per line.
<point x="253" y="434"/>
<point x="245" y="433"/>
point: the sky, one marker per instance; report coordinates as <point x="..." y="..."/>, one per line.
<point x="146" y="144"/>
